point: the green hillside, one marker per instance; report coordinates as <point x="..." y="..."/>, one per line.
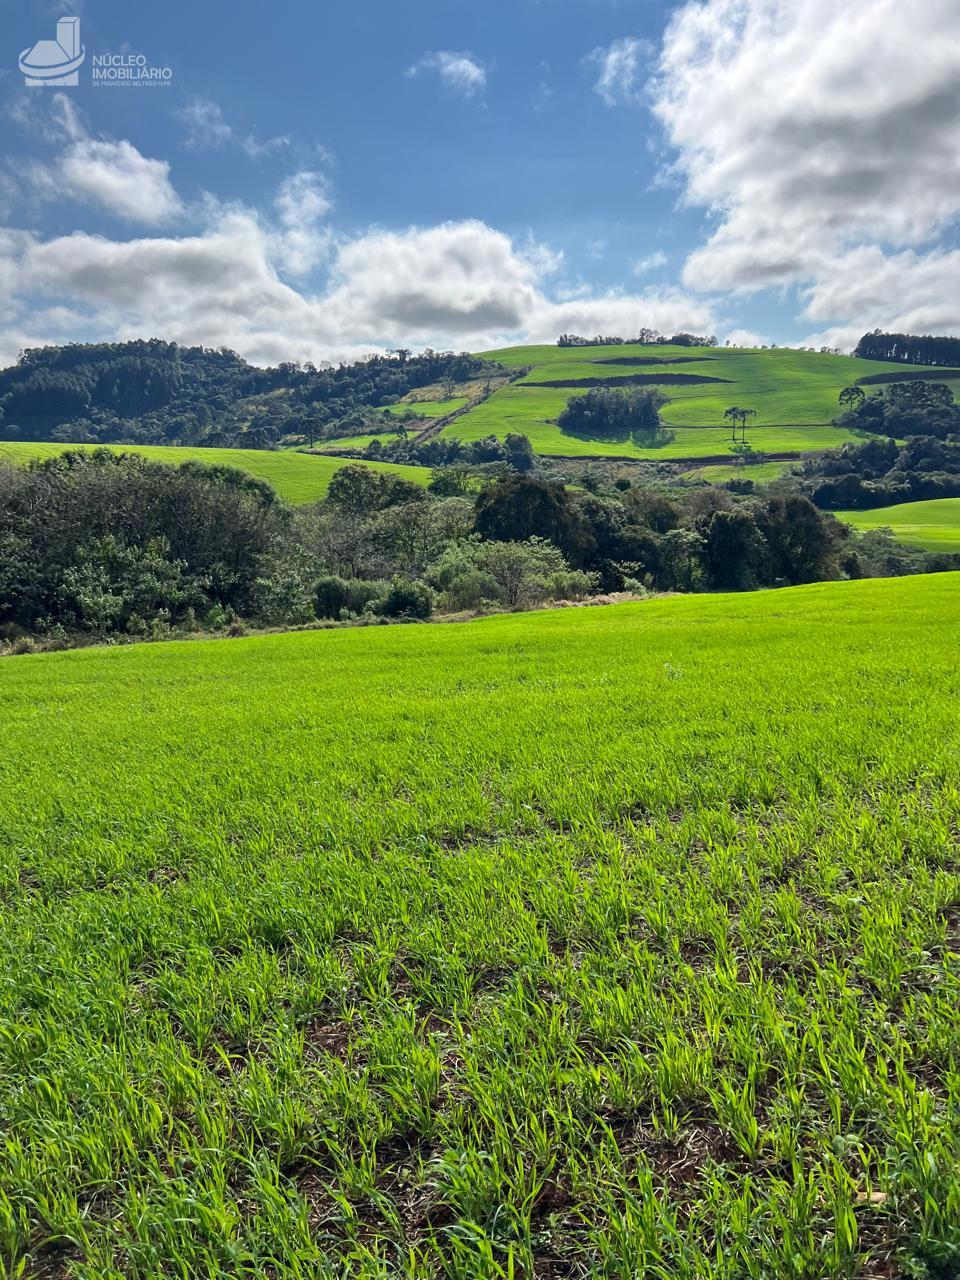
<point x="611" y="942"/>
<point x="934" y="526"/>
<point x="793" y="392"/>
<point x="298" y="478"/>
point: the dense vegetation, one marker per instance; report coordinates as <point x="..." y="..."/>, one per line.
<point x="99" y="543"/>
<point x="155" y="392"/>
<point x="646" y="338"/>
<point x="913" y="408"/>
<point x="909" y="348"/>
<point x="609" y="942"/>
<point x="879" y="473"/>
<point x="613" y="414"/>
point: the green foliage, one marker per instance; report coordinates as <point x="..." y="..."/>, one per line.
<point x="613" y="414"/>
<point x="880" y="473"/>
<point x="905" y="408"/>
<point x="604" y="942"/>
<point x="520" y="507"/>
<point x="108" y="542"/>
<point x="407" y="599"/>
<point x="155" y="392"/>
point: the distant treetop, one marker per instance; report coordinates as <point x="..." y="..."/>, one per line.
<point x="909" y="348"/>
<point x="646" y="338"/>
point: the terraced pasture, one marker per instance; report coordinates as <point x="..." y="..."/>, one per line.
<point x="794" y="393"/>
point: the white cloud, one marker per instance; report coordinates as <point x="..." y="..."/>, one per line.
<point x="744" y="338"/>
<point x="302" y="242"/>
<point x="111" y="175"/>
<point x="461" y="72"/>
<point x="462" y="285"/>
<point x="618" y="70"/>
<point x="206" y="125"/>
<point x="652" y="262"/>
<point x="825" y="140"/>
<point x="207" y="129"/>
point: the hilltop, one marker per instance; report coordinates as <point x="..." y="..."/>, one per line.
<point x="793" y="392"/>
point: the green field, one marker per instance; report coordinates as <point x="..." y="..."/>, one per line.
<point x="794" y="394"/>
<point x="429" y="408"/>
<point x="532" y="412"/>
<point x="357" y="442"/>
<point x="298" y="478"/>
<point x="933" y="525"/>
<point x="758" y="472"/>
<point x="612" y="942"/>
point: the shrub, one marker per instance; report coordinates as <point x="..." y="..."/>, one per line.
<point x="407" y="599"/>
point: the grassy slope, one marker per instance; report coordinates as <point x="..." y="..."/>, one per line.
<point x="428" y="408"/>
<point x="794" y="393"/>
<point x="621" y="937"/>
<point x="933" y="525"/>
<point x="297" y="477"/>
<point x="759" y="472"/>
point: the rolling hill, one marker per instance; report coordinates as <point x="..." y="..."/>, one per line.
<point x="793" y="392"/>
<point x="934" y="525"/>
<point x="299" y="478"/>
<point x="601" y="942"/>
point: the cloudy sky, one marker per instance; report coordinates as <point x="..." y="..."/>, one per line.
<point x="320" y="180"/>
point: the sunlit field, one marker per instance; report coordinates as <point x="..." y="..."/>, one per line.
<point x="618" y="941"/>
<point x="933" y="525"/>
<point x="794" y="394"/>
<point x="299" y="478"/>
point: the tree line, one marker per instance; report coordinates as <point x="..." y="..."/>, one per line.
<point x="645" y="338"/>
<point x="155" y="392"/>
<point x="881" y="472"/>
<point x="101" y="544"/>
<point x="909" y="348"/>
<point x="902" y="408"/>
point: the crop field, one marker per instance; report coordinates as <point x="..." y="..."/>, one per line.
<point x="613" y="942"/>
<point x="933" y="525"/>
<point x="298" y="478"/>
<point x="793" y="392"/>
<point x="533" y="411"/>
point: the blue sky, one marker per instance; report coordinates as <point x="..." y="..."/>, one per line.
<point x="319" y="180"/>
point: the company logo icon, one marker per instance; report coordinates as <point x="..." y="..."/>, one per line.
<point x="55" y="62"/>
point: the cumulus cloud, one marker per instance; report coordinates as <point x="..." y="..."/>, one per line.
<point x="618" y="67"/>
<point x="302" y="241"/>
<point x="463" y="285"/>
<point x="461" y="72"/>
<point x="111" y="175"/>
<point x="825" y="140"/>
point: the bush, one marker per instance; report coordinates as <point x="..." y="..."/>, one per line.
<point x="407" y="599"/>
<point x="331" y="596"/>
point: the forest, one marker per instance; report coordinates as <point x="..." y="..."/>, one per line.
<point x="156" y="392"/>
